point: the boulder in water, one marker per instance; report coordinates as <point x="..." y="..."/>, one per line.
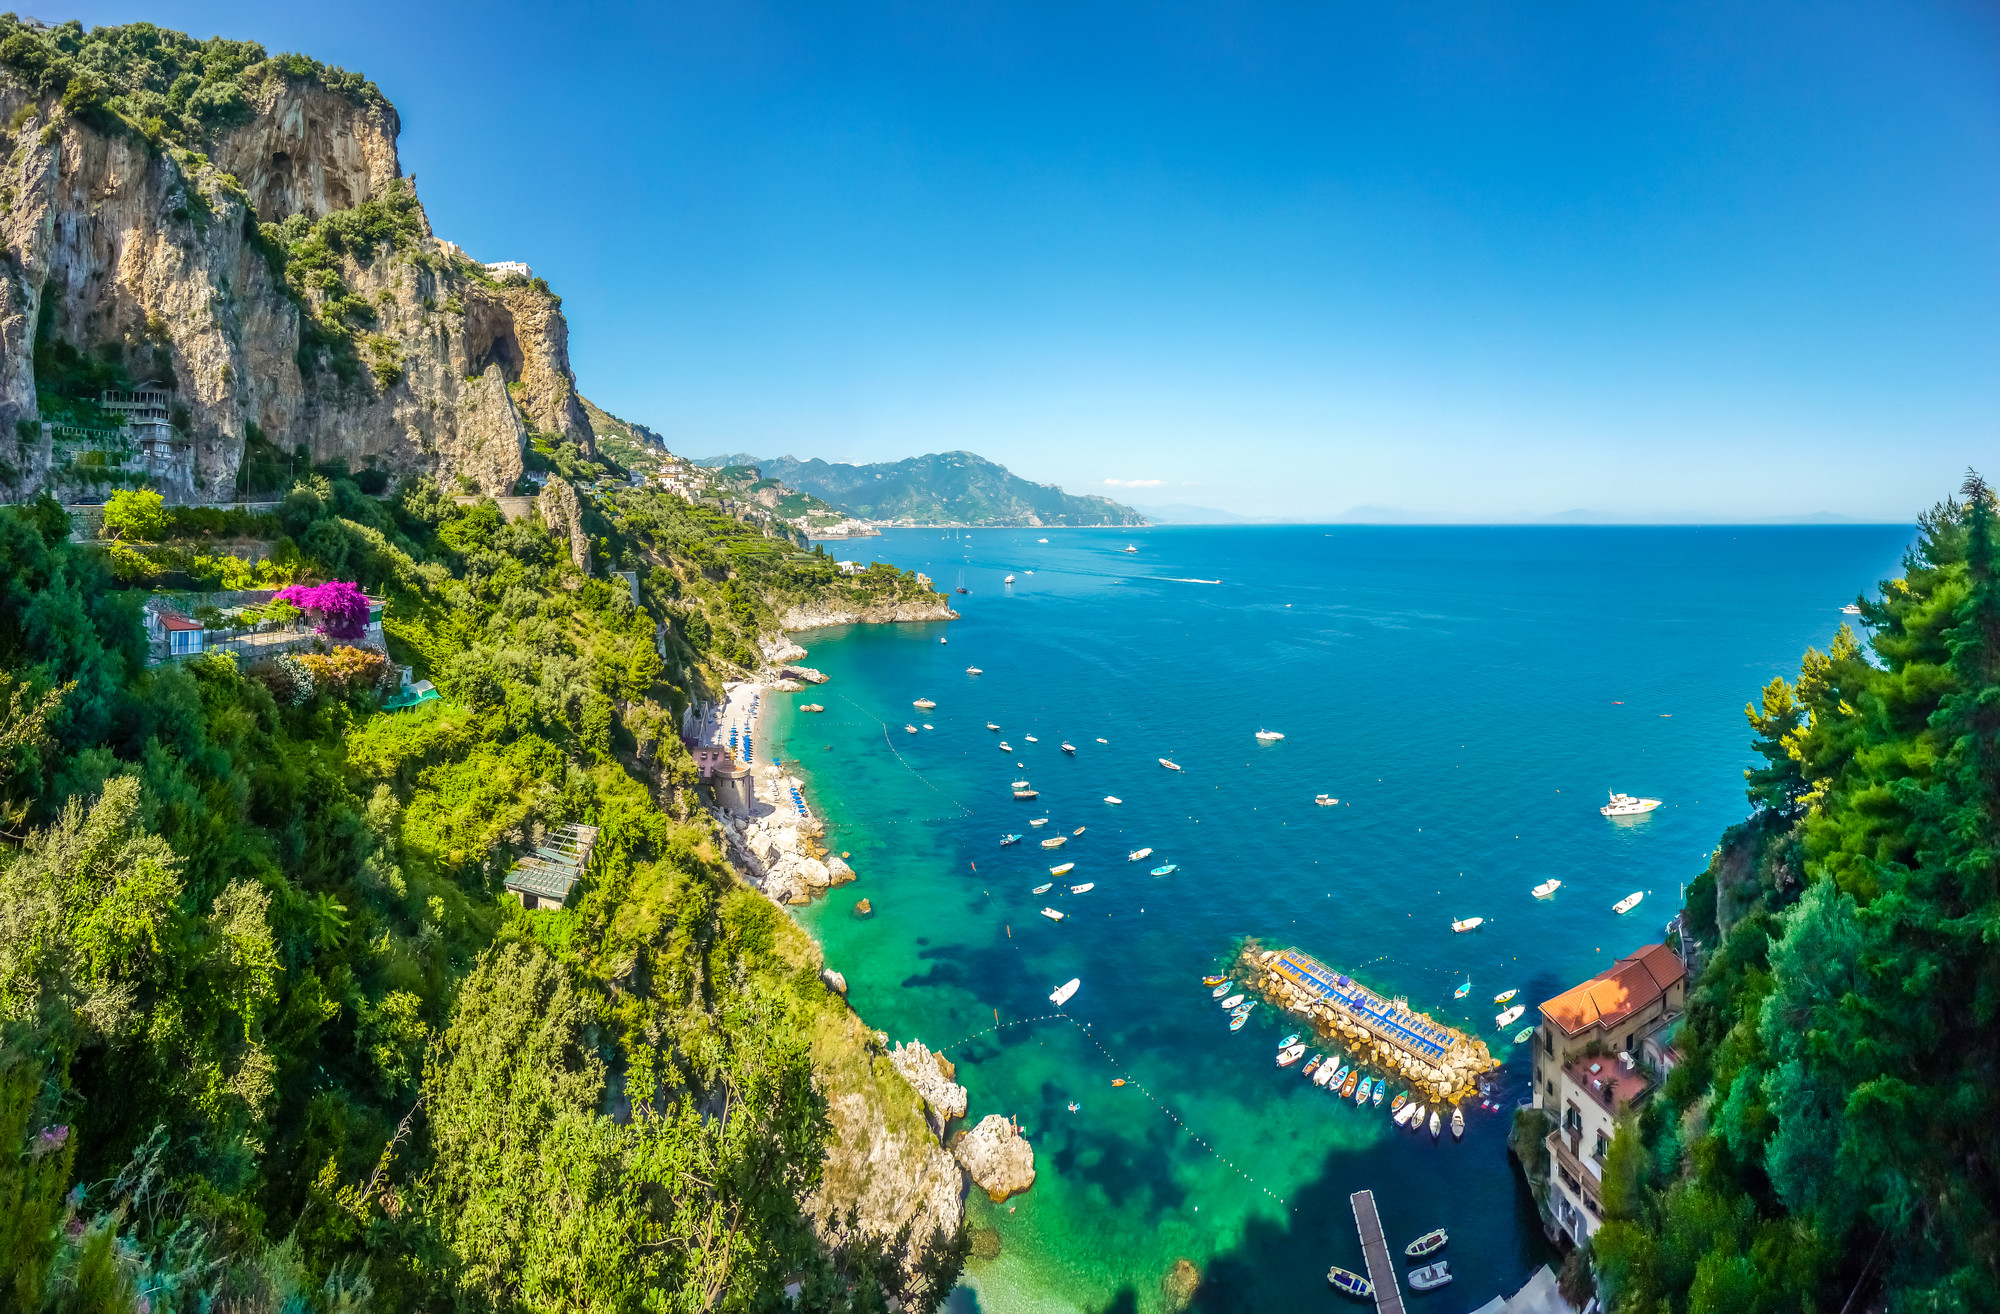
<point x="998" y="1157"/>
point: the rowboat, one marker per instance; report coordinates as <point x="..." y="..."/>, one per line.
<point x="1113" y="798"/>
<point x="1430" y="1277"/>
<point x="1168" y="870"/>
<point x="1169" y="765"/>
<point x="1312" y="1065"/>
<point x="1545" y="889"/>
<point x="1005" y="840"/>
<point x="1043" y="889"/>
<point x="1381" y="1087"/>
<point x="1624" y="805"/>
<point x="1288" y="1041"/>
<point x="1055" y="841"/>
<point x="1069" y="748"/>
<point x="1290" y="1054"/>
<point x="1428" y="1243"/>
<point x="1232" y="1001"/>
<point x="1367" y="1089"/>
<point x="1629" y="902"/>
<point x="1435" y="1124"/>
<point x="1027" y="793"/>
<point x="1039" y="821"/>
<point x="1352" y="1284"/>
<point x="1457" y="1124"/>
<point x="1063" y="870"/>
<point x="1353" y="1079"/>
<point x="1078" y="831"/>
<point x="1521" y="1036"/>
<point x="1137" y="854"/>
<point x="1509" y="1018"/>
<point x="1213" y="980"/>
<point x="1237" y="1020"/>
<point x="1504" y="996"/>
<point x="1462" y="991"/>
<point x="923" y="704"/>
<point x="1469" y="924"/>
<point x="1084" y="888"/>
<point x="1402" y="1098"/>
<point x="1064" y="991"/>
<point x="1052" y="914"/>
<point x="1221" y="986"/>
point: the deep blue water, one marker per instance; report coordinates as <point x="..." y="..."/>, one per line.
<point x="1469" y="694"/>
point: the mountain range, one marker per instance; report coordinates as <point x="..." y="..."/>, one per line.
<point x="944" y="488"/>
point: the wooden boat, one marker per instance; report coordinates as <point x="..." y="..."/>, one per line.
<point x="1055" y="841"/>
<point x="1521" y="1036"/>
<point x="1031" y="739"/>
<point x="1402" y="1098"/>
<point x="1069" y="748"/>
<point x="1312" y="1065"/>
<point x="1043" y="889"/>
<point x="1469" y="924"/>
<point x="1236" y="1021"/>
<point x="1063" y="870"/>
<point x="1546" y="888"/>
<point x="1214" y="980"/>
<point x="1005" y="840"/>
<point x="1167" y="870"/>
<point x="1039" y="821"/>
<point x="1509" y="1018"/>
<point x="1232" y="1001"/>
<point x="1064" y="991"/>
<point x="1458" y="1124"/>
<point x="1222" y="986"/>
<point x="1084" y="888"/>
<point x="1381" y="1086"/>
<point x="1078" y="831"/>
<point x="1429" y="1278"/>
<point x="1367" y="1088"/>
<point x="1113" y="798"/>
<point x="1290" y="1054"/>
<point x="1137" y="854"/>
<point x="1504" y="996"/>
<point x="923" y="704"/>
<point x="1269" y="736"/>
<point x="1435" y="1124"/>
<point x="1027" y="793"/>
<point x="1629" y="902"/>
<point x="1462" y="991"/>
<point x="1052" y="914"/>
<point x="1353" y="1080"/>
<point x="1288" y="1041"/>
<point x="1428" y="1243"/>
<point x="1169" y="765"/>
<point x="1350" y="1284"/>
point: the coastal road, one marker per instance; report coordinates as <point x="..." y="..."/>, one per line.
<point x="1381" y="1268"/>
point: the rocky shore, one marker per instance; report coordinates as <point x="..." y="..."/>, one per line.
<point x="997" y="1156"/>
<point x="813" y="616"/>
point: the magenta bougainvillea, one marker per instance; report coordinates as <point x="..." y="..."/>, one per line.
<point x="339" y="610"/>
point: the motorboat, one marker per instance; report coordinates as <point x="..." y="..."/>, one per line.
<point x="1005" y="840"/>
<point x="1103" y="740"/>
<point x="1039" y="822"/>
<point x="1546" y="888"/>
<point x="1436" y="1123"/>
<point x="1624" y="805"/>
<point x="1469" y="924"/>
<point x="1402" y="1115"/>
<point x="929" y="726"/>
<point x="1166" y="869"/>
<point x="1063" y="870"/>
<point x="1458" y="1124"/>
<point x="1232" y="1001"/>
<point x="1509" y="1018"/>
<point x="1069" y="748"/>
<point x="1055" y="841"/>
<point x="1031" y="739"/>
<point x="1327" y="1072"/>
<point x="1427" y="1244"/>
<point x="923" y="704"/>
<point x="1019" y="784"/>
<point x="1269" y="736"/>
<point x="1290" y="1054"/>
<point x="974" y="670"/>
<point x="1629" y="902"/>
<point x="1084" y="888"/>
<point x="1222" y="988"/>
<point x="1006" y="747"/>
<point x="991" y="726"/>
<point x="1113" y="798"/>
<point x="1130" y="548"/>
<point x="1064" y="991"/>
<point x="1429" y="1278"/>
<point x="1136" y="854"/>
<point x="1169" y="764"/>
<point x="1504" y="996"/>
<point x="1008" y="580"/>
<point x="811" y="707"/>
<point x="1027" y="793"/>
<point x="1043" y="888"/>
<point x="912" y="729"/>
<point x="1350" y="1284"/>
<point x="1052" y="914"/>
<point x="1325" y="800"/>
<point x="1462" y="991"/>
<point x="1521" y="1036"/>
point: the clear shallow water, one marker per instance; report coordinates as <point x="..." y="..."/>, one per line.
<point x="1468" y="694"/>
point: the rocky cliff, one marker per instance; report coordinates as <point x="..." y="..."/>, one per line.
<point x="812" y="615"/>
<point x="274" y="269"/>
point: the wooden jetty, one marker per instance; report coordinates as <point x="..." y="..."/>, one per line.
<point x="1381" y="1266"/>
<point x="1441" y="1062"/>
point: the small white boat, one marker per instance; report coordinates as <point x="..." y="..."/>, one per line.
<point x="1437" y="1124"/>
<point x="1327" y="1071"/>
<point x="1006" y="747"/>
<point x="1430" y="1277"/>
<point x="1008" y="580"/>
<point x="1469" y="924"/>
<point x="1064" y="991"/>
<point x="1169" y="764"/>
<point x="1545" y="889"/>
<point x="1130" y="548"/>
<point x="929" y="726"/>
<point x="1232" y="1001"/>
<point x="1325" y="800"/>
<point x="1629" y="902"/>
<point x="1069" y="748"/>
<point x="1103" y="741"/>
<point x="1052" y="914"/>
<point x="1509" y="1018"/>
<point x="1079" y="830"/>
<point x="1039" y="821"/>
<point x="1269" y="736"/>
<point x="1041" y="540"/>
<point x="1055" y="841"/>
<point x="1043" y="889"/>
<point x="1027" y="793"/>
<point x="1113" y="798"/>
<point x="1403" y="1114"/>
<point x="1504" y="996"/>
<point x="944" y="640"/>
<point x="1624" y="805"/>
<point x="991" y="726"/>
<point x="1084" y="888"/>
<point x="1063" y="870"/>
<point x="1458" y="1124"/>
<point x="1033" y="740"/>
<point x="912" y="729"/>
<point x="1850" y="610"/>
<point x="1138" y="855"/>
<point x="1290" y="1054"/>
<point x="923" y="704"/>
<point x="1019" y="784"/>
<point x="974" y="670"/>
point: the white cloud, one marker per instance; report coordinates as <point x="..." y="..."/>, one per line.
<point x="1135" y="483"/>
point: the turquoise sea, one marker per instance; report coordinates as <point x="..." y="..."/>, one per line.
<point x="1469" y="695"/>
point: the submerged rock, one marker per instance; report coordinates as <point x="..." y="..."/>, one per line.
<point x="863" y="909"/>
<point x="1179" y="1284"/>
<point x="998" y="1157"/>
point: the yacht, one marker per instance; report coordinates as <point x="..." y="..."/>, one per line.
<point x="1850" y="610"/>
<point x="1629" y="902"/>
<point x="1624" y="805"/>
<point x="912" y="729"/>
<point x="1041" y="540"/>
<point x="1069" y="748"/>
<point x="1269" y="736"/>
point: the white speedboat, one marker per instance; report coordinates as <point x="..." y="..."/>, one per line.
<point x="1546" y="888"/>
<point x="1624" y="805"/>
<point x="1041" y="540"/>
<point x="1629" y="902"/>
<point x="1469" y="924"/>
<point x="1130" y="548"/>
<point x="1084" y="888"/>
<point x="1033" y="740"/>
<point x="1039" y="821"/>
<point x="1137" y="854"/>
<point x="1006" y="747"/>
<point x="1269" y="736"/>
<point x="912" y="729"/>
<point x="1064" y="870"/>
<point x="1170" y="764"/>
<point x="1231" y="1002"/>
<point x="1008" y="580"/>
<point x="1458" y="1124"/>
<point x="1064" y="991"/>
<point x="974" y="670"/>
<point x="1019" y="784"/>
<point x="1430" y="1277"/>
<point x="1113" y="798"/>
<point x="1102" y="740"/>
<point x="1052" y="914"/>
<point x="1325" y="800"/>
<point x="1509" y="1018"/>
<point x="1069" y="748"/>
<point x="991" y="726"/>
<point x="923" y="704"/>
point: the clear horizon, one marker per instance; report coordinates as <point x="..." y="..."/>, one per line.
<point x="1459" y="264"/>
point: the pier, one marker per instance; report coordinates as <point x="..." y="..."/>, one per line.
<point x="1442" y="1063"/>
<point x="1381" y="1267"/>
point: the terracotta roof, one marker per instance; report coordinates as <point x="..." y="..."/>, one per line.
<point x="173" y="620"/>
<point x="1633" y="983"/>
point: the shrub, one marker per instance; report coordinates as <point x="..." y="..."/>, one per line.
<point x="348" y="670"/>
<point x="338" y="608"/>
<point x="137" y="515"/>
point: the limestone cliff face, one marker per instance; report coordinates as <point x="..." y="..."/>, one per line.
<point x="151" y="256"/>
<point x="814" y="615"/>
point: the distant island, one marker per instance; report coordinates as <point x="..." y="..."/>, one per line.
<point x="945" y="488"/>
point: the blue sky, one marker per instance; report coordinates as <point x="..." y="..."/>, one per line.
<point x="1480" y="261"/>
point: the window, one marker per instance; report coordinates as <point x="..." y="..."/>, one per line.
<point x="187" y="641"/>
<point x="1603" y="1145"/>
<point x="1572" y="1120"/>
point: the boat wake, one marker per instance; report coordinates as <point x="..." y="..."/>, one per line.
<point x="1171" y="579"/>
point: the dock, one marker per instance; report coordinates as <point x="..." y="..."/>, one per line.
<point x="1381" y="1267"/>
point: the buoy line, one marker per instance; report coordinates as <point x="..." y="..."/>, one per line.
<point x="899" y="756"/>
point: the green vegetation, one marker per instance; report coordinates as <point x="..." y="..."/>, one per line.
<point x="308" y="259"/>
<point x="271" y="1035"/>
<point x="1830" y="1141"/>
